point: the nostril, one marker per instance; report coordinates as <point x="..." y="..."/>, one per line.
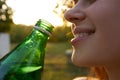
<point x="73" y="19"/>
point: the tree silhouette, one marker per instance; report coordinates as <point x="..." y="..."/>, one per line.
<point x="61" y="7"/>
<point x="5" y="16"/>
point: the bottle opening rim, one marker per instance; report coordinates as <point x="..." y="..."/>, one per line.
<point x="42" y="30"/>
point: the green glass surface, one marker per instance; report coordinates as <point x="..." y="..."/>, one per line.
<point x="26" y="61"/>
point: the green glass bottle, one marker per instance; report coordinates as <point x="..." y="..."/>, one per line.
<point x="26" y="61"/>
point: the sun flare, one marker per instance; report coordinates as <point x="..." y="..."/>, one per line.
<point x="29" y="11"/>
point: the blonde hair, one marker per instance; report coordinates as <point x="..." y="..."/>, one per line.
<point x="96" y="73"/>
<point x="99" y="72"/>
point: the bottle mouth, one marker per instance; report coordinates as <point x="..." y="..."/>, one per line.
<point x="42" y="30"/>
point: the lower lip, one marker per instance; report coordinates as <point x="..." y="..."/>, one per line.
<point x="78" y="39"/>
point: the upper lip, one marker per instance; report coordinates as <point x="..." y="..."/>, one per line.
<point x="79" y="29"/>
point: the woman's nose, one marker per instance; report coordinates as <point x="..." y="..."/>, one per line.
<point x="74" y="14"/>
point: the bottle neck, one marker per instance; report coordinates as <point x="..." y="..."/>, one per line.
<point x="42" y="30"/>
<point x="37" y="35"/>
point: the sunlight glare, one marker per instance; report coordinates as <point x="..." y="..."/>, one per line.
<point x="29" y="11"/>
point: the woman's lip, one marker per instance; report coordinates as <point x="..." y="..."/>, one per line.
<point x="81" y="33"/>
<point x="79" y="38"/>
<point x="79" y="30"/>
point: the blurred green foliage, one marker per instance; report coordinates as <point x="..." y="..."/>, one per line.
<point x="61" y="34"/>
<point x="5" y="16"/>
<point x="19" y="32"/>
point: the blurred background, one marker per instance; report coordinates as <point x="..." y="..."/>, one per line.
<point x="17" y="18"/>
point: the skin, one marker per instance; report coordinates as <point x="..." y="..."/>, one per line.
<point x="96" y="30"/>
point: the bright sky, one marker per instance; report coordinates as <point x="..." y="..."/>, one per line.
<point x="29" y="11"/>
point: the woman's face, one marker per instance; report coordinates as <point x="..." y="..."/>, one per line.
<point x="96" y="32"/>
